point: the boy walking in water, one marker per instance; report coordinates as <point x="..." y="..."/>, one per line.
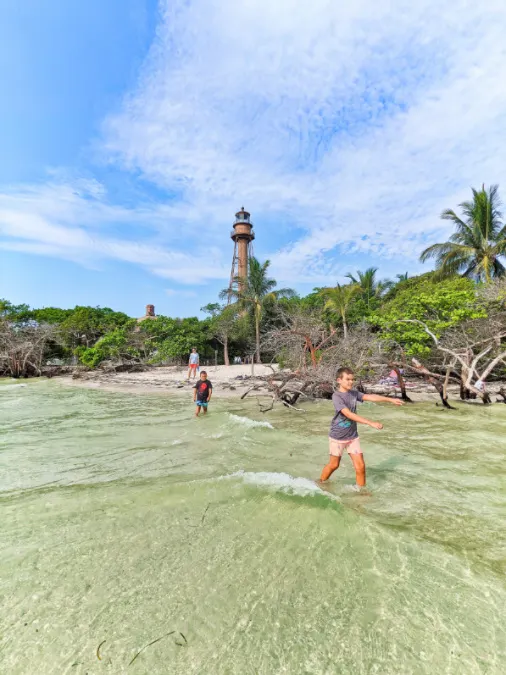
<point x="343" y="428"/>
<point x="202" y="392"/>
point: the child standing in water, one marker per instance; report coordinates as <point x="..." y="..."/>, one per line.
<point x="202" y="392"/>
<point x="343" y="428"/>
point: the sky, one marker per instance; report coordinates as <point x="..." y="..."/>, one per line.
<point x="131" y="131"/>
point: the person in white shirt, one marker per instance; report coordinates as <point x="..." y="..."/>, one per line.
<point x="480" y="385"/>
<point x="193" y="363"/>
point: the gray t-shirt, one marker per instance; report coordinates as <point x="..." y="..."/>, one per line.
<point x="341" y="428"/>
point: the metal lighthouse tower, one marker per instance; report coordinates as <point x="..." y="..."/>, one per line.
<point x="242" y="236"/>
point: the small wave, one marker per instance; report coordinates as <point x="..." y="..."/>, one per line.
<point x="246" y="421"/>
<point x="11" y="386"/>
<point x="177" y="442"/>
<point x="281" y="482"/>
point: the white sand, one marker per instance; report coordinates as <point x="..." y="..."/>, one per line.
<point x="231" y="380"/>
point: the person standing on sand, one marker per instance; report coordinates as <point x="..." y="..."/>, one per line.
<point x="343" y="428"/>
<point x="202" y="392"/>
<point x="193" y="363"/>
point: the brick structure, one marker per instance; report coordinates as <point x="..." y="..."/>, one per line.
<point x="150" y="313"/>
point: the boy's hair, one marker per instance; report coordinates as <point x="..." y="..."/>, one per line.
<point x="344" y="371"/>
<point x="203" y="372"/>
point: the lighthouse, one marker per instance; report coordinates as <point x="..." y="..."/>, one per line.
<point x="242" y="236"/>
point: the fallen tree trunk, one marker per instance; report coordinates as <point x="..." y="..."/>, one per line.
<point x="429" y="377"/>
<point x="54" y="371"/>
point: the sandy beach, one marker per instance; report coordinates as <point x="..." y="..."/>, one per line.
<point x="228" y="382"/>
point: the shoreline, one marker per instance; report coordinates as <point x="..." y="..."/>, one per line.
<point x="232" y="382"/>
<point x="229" y="382"/>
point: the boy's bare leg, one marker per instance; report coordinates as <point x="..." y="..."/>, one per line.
<point x="197" y="412"/>
<point x="329" y="468"/>
<point x="359" y="465"/>
<point x="205" y="411"/>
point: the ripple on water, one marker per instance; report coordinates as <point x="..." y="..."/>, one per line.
<point x="131" y="519"/>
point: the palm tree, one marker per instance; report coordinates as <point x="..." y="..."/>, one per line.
<point x="479" y="240"/>
<point x="402" y="277"/>
<point x="368" y="285"/>
<point x="254" y="292"/>
<point x="339" y="300"/>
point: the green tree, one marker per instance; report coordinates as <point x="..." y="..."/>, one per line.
<point x="476" y="247"/>
<point x="313" y="301"/>
<point x="222" y="326"/>
<point x="370" y="288"/>
<point x="85" y="325"/>
<point x="339" y="299"/>
<point x="440" y="304"/>
<point x="114" y="345"/>
<point x="175" y="338"/>
<point x="255" y="292"/>
<point x="14" y="313"/>
<point x="51" y="315"/>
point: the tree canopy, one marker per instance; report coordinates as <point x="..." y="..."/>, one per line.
<point x="478" y="245"/>
<point x="439" y="304"/>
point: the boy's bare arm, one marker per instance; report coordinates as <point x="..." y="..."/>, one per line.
<point x="361" y="420"/>
<point x="376" y="398"/>
<point x="210" y="394"/>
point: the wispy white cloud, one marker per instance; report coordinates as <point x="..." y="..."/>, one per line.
<point x="76" y="222"/>
<point x="351" y="124"/>
<point x="359" y="121"/>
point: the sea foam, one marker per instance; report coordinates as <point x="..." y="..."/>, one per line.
<point x="280" y="482"/>
<point x="247" y="422"/>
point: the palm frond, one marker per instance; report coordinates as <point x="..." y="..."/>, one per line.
<point x="287" y="293"/>
<point x="449" y="214"/>
<point x="436" y="251"/>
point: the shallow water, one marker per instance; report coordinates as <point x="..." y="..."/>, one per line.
<point x="123" y="519"/>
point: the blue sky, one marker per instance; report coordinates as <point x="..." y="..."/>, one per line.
<point x="132" y="130"/>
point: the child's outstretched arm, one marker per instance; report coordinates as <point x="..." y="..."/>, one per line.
<point x="361" y="420"/>
<point x="376" y="398"/>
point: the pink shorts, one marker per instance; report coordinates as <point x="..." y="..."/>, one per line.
<point x="336" y="448"/>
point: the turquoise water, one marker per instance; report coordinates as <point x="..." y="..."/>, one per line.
<point x="123" y="519"/>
